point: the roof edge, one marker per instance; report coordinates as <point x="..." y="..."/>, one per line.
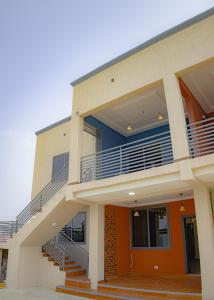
<point x="53" y="125"/>
<point x="146" y="44"/>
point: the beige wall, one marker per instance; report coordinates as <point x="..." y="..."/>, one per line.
<point x="169" y="56"/>
<point x="51" y="143"/>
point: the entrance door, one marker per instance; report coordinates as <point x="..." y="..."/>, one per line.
<point x="191" y="243"/>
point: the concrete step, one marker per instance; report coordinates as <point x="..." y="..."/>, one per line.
<point x="93" y="294"/>
<point x="78" y="283"/>
<point x="138" y="292"/>
<point x="75" y="272"/>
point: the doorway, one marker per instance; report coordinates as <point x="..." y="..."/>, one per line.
<point x="191" y="245"/>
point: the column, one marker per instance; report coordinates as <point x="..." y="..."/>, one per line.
<point x="77" y="127"/>
<point x="176" y="117"/>
<point x="205" y="239"/>
<point x="96" y="244"/>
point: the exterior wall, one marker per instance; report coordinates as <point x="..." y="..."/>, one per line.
<point x="50" y="143"/>
<point x="194" y="109"/>
<point x="53" y="142"/>
<point x="117" y="241"/>
<point x="120" y="258"/>
<point x="169" y="56"/>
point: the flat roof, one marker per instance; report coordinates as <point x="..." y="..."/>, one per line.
<point x="146" y="44"/>
<point x="53" y="125"/>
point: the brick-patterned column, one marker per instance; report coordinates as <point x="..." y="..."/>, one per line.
<point x="110" y="252"/>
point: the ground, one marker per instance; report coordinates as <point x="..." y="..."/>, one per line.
<point x="34" y="294"/>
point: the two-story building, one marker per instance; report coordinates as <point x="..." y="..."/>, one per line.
<point x="129" y="177"/>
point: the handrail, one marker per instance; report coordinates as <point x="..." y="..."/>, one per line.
<point x="201" y="137"/>
<point x="61" y="246"/>
<point x="149" y="152"/>
<point x="35" y="205"/>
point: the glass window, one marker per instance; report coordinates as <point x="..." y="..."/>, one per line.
<point x="59" y="161"/>
<point x="150" y="228"/>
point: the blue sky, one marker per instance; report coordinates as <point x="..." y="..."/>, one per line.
<point x="46" y="44"/>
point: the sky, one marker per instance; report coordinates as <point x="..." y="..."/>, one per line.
<point x="45" y="45"/>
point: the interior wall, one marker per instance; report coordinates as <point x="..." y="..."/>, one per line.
<point x="170" y="261"/>
<point x="194" y="109"/>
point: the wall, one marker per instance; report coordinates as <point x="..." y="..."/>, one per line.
<point x="53" y="142"/>
<point x="119" y="255"/>
<point x="50" y="143"/>
<point x="49" y="275"/>
<point x="117" y="241"/>
<point x="194" y="109"/>
<point x="110" y="137"/>
<point x="168" y="56"/>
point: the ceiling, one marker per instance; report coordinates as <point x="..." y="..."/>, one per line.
<point x="140" y="111"/>
<point x="201" y="83"/>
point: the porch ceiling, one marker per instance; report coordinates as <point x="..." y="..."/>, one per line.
<point x="141" y="111"/>
<point x="201" y="83"/>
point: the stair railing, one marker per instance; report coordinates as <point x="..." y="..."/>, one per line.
<point x="35" y="205"/>
<point x="61" y="246"/>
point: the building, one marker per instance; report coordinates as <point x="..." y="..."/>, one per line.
<point x="132" y="176"/>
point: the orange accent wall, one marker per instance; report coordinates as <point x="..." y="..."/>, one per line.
<point x="194" y="109"/>
<point x="123" y="240"/>
<point x="170" y="261"/>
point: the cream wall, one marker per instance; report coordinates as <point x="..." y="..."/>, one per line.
<point x="50" y="143"/>
<point x="53" y="142"/>
<point x="169" y="56"/>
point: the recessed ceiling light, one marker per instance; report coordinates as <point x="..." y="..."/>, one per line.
<point x="160" y="117"/>
<point x="129" y="127"/>
<point x="54" y="224"/>
<point x="131" y="193"/>
<point x="34" y="217"/>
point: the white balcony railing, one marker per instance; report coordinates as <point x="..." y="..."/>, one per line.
<point x="201" y="137"/>
<point x="149" y="152"/>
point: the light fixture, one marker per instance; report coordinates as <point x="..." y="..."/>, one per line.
<point x="129" y="127"/>
<point x="34" y="217"/>
<point x="160" y="117"/>
<point x="182" y="208"/>
<point x="136" y="212"/>
<point x="54" y="224"/>
<point x="131" y="193"/>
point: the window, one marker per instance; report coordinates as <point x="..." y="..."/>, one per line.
<point x="150" y="228"/>
<point x="76" y="229"/>
<point x="59" y="162"/>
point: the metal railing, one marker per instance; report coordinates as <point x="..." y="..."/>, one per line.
<point x="61" y="246"/>
<point x="149" y="152"/>
<point x="201" y="137"/>
<point x="35" y="205"/>
<point x="7" y="229"/>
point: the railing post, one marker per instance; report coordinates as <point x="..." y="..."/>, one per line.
<point x="121" y="161"/>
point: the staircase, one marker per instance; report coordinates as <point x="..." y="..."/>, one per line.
<point x="9" y="228"/>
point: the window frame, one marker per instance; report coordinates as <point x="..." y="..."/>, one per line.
<point x="54" y="157"/>
<point x="169" y="228"/>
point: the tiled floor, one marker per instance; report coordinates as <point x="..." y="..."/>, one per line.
<point x="189" y="284"/>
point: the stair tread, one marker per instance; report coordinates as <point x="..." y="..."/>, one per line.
<point x="97" y="293"/>
<point x="123" y="288"/>
<point x="74" y="270"/>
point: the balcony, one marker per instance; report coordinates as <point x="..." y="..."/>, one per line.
<point x="201" y="137"/>
<point x="149" y="152"/>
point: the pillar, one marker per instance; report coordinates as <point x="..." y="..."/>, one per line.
<point x="205" y="228"/>
<point x="96" y="244"/>
<point x="77" y="126"/>
<point x="176" y="115"/>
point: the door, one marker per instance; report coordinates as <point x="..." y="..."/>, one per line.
<point x="191" y="245"/>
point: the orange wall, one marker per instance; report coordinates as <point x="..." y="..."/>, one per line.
<point x="123" y="240"/>
<point x="194" y="109"/>
<point x="170" y="261"/>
